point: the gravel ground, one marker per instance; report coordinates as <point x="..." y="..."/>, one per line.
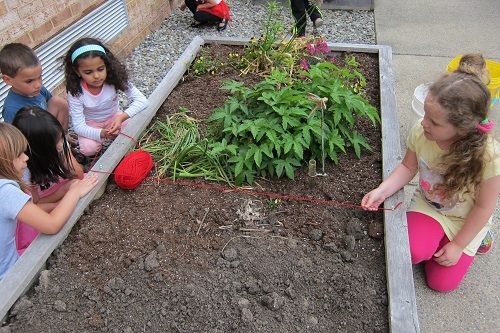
<point x="152" y="59"/>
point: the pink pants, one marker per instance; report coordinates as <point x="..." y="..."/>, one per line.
<point x="89" y="147"/>
<point x="25" y="234"/>
<point x="426" y="237"/>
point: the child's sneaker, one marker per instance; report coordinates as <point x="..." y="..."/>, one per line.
<point x="318" y="23"/>
<point x="486" y="244"/>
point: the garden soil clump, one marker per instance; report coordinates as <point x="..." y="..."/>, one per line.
<point x="172" y="257"/>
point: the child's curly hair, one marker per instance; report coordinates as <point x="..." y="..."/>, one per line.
<point x="466" y="99"/>
<point x="117" y="75"/>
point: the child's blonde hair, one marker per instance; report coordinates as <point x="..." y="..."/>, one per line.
<point x="474" y="63"/>
<point x="12" y="145"/>
<point x="466" y="99"/>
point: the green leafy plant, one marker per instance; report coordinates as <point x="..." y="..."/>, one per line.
<point x="204" y="64"/>
<point x="274" y="49"/>
<point x="180" y="152"/>
<point x="272" y="127"/>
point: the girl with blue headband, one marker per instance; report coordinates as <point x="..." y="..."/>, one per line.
<point x="93" y="78"/>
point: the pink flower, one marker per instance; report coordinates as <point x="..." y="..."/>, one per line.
<point x="310" y="49"/>
<point x="304" y="64"/>
<point x="321" y="47"/>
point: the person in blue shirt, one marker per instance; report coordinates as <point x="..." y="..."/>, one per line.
<point x="17" y="204"/>
<point x="21" y="69"/>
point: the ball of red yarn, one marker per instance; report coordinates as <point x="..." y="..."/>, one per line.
<point x="133" y="169"/>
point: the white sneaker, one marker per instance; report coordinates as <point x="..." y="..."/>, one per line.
<point x="318" y="22"/>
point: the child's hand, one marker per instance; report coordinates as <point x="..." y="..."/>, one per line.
<point x="104" y="133"/>
<point x="448" y="255"/>
<point x="183" y="7"/>
<point x="116" y="125"/>
<point x="84" y="186"/>
<point x="373" y="199"/>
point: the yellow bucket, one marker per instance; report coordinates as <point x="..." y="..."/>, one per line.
<point x="494" y="70"/>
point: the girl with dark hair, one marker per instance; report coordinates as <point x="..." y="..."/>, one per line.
<point x="51" y="166"/>
<point x="17" y="204"/>
<point x="93" y="78"/>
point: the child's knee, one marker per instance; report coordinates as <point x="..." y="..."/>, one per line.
<point x="442" y="285"/>
<point x="420" y="251"/>
<point x="88" y="147"/>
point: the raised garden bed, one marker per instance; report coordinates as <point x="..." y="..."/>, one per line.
<point x="270" y="279"/>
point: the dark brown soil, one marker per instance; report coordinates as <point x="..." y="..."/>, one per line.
<point x="171" y="258"/>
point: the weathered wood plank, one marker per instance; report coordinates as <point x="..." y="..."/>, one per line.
<point x="25" y="271"/>
<point x="401" y="289"/>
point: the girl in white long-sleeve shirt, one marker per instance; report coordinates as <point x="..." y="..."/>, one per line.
<point x="93" y="78"/>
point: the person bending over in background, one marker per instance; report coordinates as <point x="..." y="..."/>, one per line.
<point x="208" y="12"/>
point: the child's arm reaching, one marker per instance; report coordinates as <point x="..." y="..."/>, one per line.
<point x="139" y="103"/>
<point x="51" y="223"/>
<point x="400" y="176"/>
<point x="486" y="200"/>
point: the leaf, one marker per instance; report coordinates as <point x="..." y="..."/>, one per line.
<point x="257" y="156"/>
<point x="357" y="141"/>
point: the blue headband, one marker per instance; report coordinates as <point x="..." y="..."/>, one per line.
<point x="86" y="48"/>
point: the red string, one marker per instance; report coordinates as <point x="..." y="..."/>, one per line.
<point x="133" y="169"/>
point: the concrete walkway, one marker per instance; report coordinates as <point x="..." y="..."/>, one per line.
<point x="425" y="35"/>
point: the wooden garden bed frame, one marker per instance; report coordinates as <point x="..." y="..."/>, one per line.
<point x="403" y="316"/>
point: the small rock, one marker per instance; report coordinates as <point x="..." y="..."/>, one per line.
<point x="312" y="321"/>
<point x="151" y="261"/>
<point x="331" y="247"/>
<point x="350" y="242"/>
<point x="60" y="306"/>
<point x="355" y="227"/>
<point x="243" y="302"/>
<point x="235" y="264"/>
<point x="316" y="234"/>
<point x="246" y="315"/>
<point x="128" y="330"/>
<point x="158" y="277"/>
<point x="43" y="281"/>
<point x="161" y="248"/>
<point x="230" y="254"/>
<point x="221" y="262"/>
<point x="272" y="301"/>
<point x="346" y="256"/>
<point x="376" y="230"/>
<point x="21" y="305"/>
<point x="290" y="292"/>
<point x="116" y="283"/>
<point x="252" y="287"/>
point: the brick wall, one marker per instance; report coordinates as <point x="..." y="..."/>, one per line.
<point x="34" y="22"/>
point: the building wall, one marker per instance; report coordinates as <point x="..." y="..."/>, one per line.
<point x="34" y="22"/>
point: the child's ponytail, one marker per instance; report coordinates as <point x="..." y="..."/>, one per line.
<point x="466" y="98"/>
